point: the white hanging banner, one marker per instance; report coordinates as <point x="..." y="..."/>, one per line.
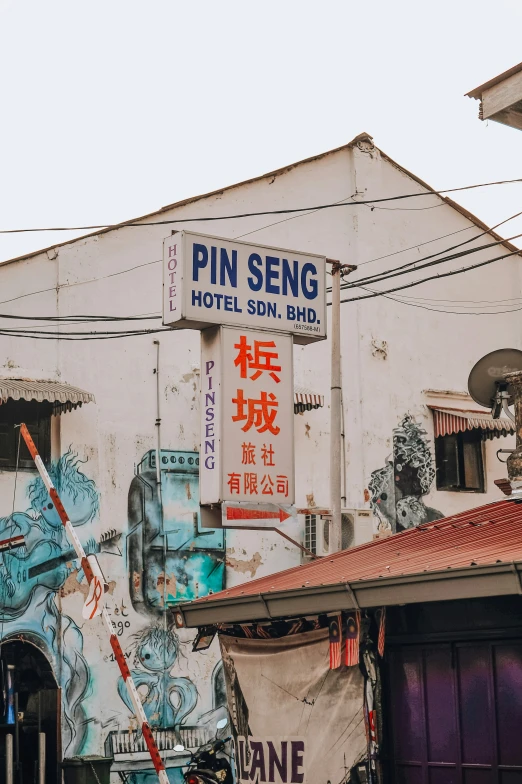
<point x="294" y="720"/>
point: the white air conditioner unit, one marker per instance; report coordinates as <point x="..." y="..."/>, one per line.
<point x="358" y="527"/>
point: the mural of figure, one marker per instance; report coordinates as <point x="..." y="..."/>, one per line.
<point x="171" y="559"/>
<point x="31" y="576"/>
<point x="168" y="699"/>
<point x="397" y="490"/>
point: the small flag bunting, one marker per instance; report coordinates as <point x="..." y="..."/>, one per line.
<point x="335" y="642"/>
<point x="382" y="631"/>
<point x="351" y="635"/>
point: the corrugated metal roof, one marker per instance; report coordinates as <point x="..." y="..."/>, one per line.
<point x="52" y="391"/>
<point x="454" y="420"/>
<point x="486" y="535"/>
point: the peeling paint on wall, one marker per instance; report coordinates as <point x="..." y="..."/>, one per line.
<point x="251" y="565"/>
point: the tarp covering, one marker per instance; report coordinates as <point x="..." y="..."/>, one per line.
<point x="295" y="721"/>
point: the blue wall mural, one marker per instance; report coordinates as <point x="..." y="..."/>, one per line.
<point x="165" y="557"/>
<point x="31" y="576"/>
<point x="168" y="700"/>
<point x="170" y="559"/>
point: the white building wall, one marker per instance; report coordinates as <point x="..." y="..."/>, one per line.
<point x="392" y="353"/>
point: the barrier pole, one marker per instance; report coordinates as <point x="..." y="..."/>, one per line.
<point x="155" y="756"/>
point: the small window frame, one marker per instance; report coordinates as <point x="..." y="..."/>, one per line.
<point x="453" y="468"/>
<point x="13" y="450"/>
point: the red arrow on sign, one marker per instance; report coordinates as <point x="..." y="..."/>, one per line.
<point x="240" y="513"/>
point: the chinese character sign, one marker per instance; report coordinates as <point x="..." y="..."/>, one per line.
<point x="254" y="457"/>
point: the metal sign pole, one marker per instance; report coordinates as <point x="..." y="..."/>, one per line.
<point x="335" y="412"/>
<point x="9" y="767"/>
<point x="336" y="428"/>
<point x="89" y="574"/>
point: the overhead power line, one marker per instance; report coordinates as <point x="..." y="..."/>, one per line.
<point x="431" y="277"/>
<point x="354" y="284"/>
<point x="395" y="272"/>
<point x="138" y="222"/>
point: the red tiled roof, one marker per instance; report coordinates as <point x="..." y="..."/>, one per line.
<point x="486" y="535"/>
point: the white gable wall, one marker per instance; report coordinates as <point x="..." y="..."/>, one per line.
<point x="381" y="383"/>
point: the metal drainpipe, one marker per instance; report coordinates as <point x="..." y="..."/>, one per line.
<point x="160" y="504"/>
<point x="514" y="461"/>
<point x="343" y="455"/>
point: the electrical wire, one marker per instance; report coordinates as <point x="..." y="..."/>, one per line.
<point x="79" y="282"/>
<point x="85" y="336"/>
<point x="401" y="301"/>
<point x="287" y="211"/>
<point x="432" y="255"/>
<point x="397" y="271"/>
<point x="431" y="277"/>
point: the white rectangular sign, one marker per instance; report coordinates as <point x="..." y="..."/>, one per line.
<point x="208" y="280"/>
<point x="247" y="417"/>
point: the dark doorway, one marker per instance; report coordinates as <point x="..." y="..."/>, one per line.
<point x="27" y="676"/>
<point x="455" y="713"/>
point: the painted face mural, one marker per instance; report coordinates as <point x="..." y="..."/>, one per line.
<point x="31" y="576"/>
<point x="397" y="490"/>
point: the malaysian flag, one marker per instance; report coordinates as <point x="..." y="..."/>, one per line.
<point x="382" y="631"/>
<point x="351" y="634"/>
<point x="335" y="642"/>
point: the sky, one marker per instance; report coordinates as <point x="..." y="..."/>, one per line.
<point x="114" y="108"/>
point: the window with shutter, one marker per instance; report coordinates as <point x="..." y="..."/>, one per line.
<point x="459" y="462"/>
<point x="37" y="417"/>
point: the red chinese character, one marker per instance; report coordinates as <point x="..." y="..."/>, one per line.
<point x="260" y="413"/>
<point x="260" y="361"/>
<point x="267" y="455"/>
<point x="250" y="481"/>
<point x="234" y="483"/>
<point x="267" y="484"/>
<point x="249" y="455"/>
<point x="282" y="485"/>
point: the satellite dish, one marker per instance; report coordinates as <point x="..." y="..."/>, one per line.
<point x="487" y="380"/>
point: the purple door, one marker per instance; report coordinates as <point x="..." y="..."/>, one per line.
<point x="455" y="713"/>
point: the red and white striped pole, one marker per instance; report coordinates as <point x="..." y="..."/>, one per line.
<point x="88" y="562"/>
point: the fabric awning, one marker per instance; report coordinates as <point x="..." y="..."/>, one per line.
<point x="453" y="420"/>
<point x="305" y="400"/>
<point x="62" y="396"/>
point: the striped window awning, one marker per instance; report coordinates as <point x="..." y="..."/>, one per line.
<point x="453" y="420"/>
<point x="62" y="396"/>
<point x="305" y="400"/>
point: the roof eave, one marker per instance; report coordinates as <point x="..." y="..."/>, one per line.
<point x="477" y="91"/>
<point x="469" y="582"/>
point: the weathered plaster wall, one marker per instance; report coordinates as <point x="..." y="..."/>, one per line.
<point x="391" y="353"/>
